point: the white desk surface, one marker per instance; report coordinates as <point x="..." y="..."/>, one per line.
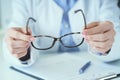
<point x="7" y="74"/>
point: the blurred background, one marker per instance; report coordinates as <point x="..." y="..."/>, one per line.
<point x="5" y="14"/>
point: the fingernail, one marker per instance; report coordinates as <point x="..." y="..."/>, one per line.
<point x="32" y="38"/>
<point x="86" y="37"/>
<point x="84" y="33"/>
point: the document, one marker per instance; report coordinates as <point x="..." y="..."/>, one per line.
<point x="66" y="67"/>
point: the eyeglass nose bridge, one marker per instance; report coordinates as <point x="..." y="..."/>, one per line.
<point x="57" y="39"/>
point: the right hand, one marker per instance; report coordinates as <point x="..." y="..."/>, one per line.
<point x="18" y="42"/>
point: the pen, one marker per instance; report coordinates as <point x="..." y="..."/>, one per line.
<point x="109" y="77"/>
<point x="35" y="77"/>
<point x="84" y="67"/>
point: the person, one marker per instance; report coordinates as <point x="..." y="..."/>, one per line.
<point x="97" y="20"/>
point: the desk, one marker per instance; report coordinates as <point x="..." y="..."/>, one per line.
<point x="8" y="74"/>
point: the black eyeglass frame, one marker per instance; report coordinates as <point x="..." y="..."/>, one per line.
<point x="57" y="39"/>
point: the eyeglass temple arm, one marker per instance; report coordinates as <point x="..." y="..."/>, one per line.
<point x="80" y="10"/>
<point x="30" y="18"/>
<point x="26" y="57"/>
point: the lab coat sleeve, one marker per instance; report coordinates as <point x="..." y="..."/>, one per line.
<point x="13" y="61"/>
<point x="19" y="17"/>
<point x="110" y="12"/>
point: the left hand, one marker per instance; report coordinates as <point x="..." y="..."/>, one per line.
<point x="100" y="36"/>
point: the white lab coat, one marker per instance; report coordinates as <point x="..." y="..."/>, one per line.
<point x="49" y="15"/>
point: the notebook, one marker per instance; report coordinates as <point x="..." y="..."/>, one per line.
<point x="66" y="67"/>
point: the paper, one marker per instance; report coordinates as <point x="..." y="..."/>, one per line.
<point x="66" y="67"/>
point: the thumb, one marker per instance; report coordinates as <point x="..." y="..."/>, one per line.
<point x="29" y="31"/>
<point x="93" y="24"/>
<point x="26" y="31"/>
<point x="30" y="34"/>
<point x="89" y="26"/>
<point x="20" y="33"/>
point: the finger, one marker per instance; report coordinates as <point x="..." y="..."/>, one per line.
<point x="19" y="55"/>
<point x="101" y="37"/>
<point x="19" y="44"/>
<point x="19" y="35"/>
<point x="25" y="31"/>
<point x="101" y="50"/>
<point x="17" y="50"/>
<point x="20" y="50"/>
<point x="91" y="25"/>
<point x="101" y="28"/>
<point x="107" y="25"/>
<point x="102" y="45"/>
<point x="13" y="48"/>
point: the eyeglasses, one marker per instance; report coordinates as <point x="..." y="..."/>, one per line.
<point x="45" y="42"/>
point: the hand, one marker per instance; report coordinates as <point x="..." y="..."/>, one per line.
<point x="100" y="36"/>
<point x="17" y="41"/>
